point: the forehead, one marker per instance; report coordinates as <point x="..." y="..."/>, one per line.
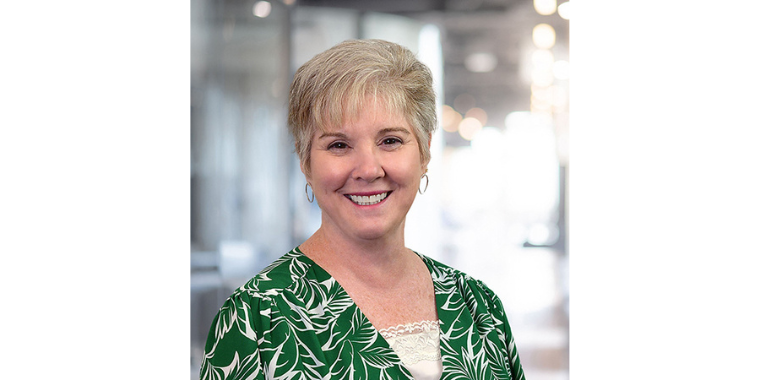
<point x="372" y="111"/>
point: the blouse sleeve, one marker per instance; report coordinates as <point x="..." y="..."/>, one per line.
<point x="500" y="317"/>
<point x="232" y="346"/>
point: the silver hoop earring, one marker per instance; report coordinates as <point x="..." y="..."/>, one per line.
<point x="306" y="189"/>
<point x="427" y="181"/>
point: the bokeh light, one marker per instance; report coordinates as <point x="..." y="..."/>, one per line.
<point x="541" y="97"/>
<point x="479" y="114"/>
<point x="545" y="7"/>
<point x="543" y="59"/>
<point x="450" y="119"/>
<point x="541" y="77"/>
<point x="561" y="70"/>
<point x="262" y="9"/>
<point x="564" y="10"/>
<point x="544" y="36"/>
<point x="542" y="70"/>
<point x="560" y="97"/>
<point x="469" y="127"/>
<point x="480" y="62"/>
<point x="489" y="143"/>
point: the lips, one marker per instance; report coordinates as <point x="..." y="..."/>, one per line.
<point x="367" y="200"/>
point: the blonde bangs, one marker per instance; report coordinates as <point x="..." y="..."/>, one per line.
<point x="333" y="87"/>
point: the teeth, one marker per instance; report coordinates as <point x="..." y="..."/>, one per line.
<point x="368" y="200"/>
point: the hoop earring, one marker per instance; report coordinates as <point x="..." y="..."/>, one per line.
<point x="427" y="182"/>
<point x="306" y="189"/>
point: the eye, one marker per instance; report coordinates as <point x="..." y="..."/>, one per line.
<point x="391" y="141"/>
<point x="338" y="145"/>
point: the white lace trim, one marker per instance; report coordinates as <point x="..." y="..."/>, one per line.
<point x="415" y="342"/>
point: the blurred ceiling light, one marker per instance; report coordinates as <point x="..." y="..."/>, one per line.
<point x="488" y="142"/>
<point x="542" y="120"/>
<point x="541" y="98"/>
<point x="463" y="102"/>
<point x="516" y="119"/>
<point x="525" y="119"/>
<point x="564" y="10"/>
<point x="544" y="36"/>
<point x="542" y="78"/>
<point x="561" y="70"/>
<point x="469" y="127"/>
<point x="542" y="234"/>
<point x="541" y="94"/>
<point x="480" y="62"/>
<point x="542" y="59"/>
<point x="545" y="7"/>
<point x="262" y="9"/>
<point x="450" y="119"/>
<point x="479" y="114"/>
<point x="540" y="108"/>
<point x="548" y="114"/>
<point x="541" y="72"/>
<point x="560" y="97"/>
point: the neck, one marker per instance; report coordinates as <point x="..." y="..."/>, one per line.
<point x="371" y="262"/>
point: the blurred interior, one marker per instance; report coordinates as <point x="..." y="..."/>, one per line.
<point x="495" y="207"/>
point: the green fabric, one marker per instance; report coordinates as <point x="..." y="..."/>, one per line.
<point x="294" y="321"/>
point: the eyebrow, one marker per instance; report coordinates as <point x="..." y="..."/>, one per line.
<point x="380" y="132"/>
<point x="333" y="134"/>
<point x="393" y="129"/>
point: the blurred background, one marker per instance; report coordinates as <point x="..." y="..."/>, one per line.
<point x="495" y="207"/>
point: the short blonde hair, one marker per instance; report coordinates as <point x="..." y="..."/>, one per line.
<point x="335" y="83"/>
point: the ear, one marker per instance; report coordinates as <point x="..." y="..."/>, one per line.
<point x="305" y="172"/>
<point x="425" y="164"/>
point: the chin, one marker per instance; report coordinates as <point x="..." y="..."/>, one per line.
<point x="371" y="235"/>
<point x="377" y="232"/>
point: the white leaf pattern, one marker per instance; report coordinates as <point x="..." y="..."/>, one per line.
<point x="294" y="321"/>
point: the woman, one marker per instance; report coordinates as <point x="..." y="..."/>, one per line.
<point x="352" y="301"/>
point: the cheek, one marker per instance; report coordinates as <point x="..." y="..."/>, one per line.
<point x="328" y="177"/>
<point x="409" y="170"/>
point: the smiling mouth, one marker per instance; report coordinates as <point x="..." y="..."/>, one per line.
<point x="363" y="200"/>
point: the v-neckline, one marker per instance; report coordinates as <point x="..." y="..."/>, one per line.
<point x="303" y="257"/>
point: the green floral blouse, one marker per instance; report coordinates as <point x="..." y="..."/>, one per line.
<point x="294" y="321"/>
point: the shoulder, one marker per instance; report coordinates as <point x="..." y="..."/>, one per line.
<point x="440" y="272"/>
<point x="277" y="277"/>
<point x="245" y="324"/>
<point x="446" y="276"/>
<point x="244" y="313"/>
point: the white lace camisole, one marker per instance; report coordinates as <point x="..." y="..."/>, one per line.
<point x="418" y="346"/>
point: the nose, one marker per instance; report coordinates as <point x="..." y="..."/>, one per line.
<point x="368" y="166"/>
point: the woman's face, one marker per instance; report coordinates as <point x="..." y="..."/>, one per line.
<point x="366" y="173"/>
